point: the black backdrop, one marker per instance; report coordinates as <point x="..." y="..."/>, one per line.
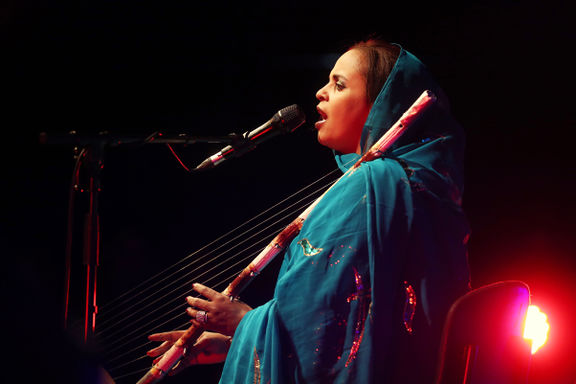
<point x="136" y="68"/>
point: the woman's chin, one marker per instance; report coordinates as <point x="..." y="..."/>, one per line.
<point x="322" y="140"/>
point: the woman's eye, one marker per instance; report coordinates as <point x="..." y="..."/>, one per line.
<point x="339" y="86"/>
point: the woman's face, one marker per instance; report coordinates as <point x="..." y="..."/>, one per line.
<point x="343" y="106"/>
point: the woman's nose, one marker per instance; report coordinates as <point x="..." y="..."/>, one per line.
<point x="322" y="95"/>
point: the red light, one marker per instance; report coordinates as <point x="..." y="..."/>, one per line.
<point x="536" y="327"/>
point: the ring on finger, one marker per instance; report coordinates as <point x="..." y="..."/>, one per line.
<point x="202" y="317"/>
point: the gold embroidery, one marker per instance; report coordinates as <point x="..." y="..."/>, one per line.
<point x="256" y="367"/>
<point x="309" y="249"/>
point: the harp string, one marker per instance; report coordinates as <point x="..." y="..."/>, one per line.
<point x="140" y="371"/>
<point x="132" y="361"/>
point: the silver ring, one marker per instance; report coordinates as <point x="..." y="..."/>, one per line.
<point x="202" y="317"/>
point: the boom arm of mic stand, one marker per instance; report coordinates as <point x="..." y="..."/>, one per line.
<point x="73" y="138"/>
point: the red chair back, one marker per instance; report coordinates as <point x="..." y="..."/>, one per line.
<point x="482" y="340"/>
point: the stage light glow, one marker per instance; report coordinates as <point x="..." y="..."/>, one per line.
<point x="536" y="327"/>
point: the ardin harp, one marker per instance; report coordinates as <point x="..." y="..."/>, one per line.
<point x="155" y="305"/>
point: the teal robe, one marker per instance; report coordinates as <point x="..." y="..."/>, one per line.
<point x="364" y="288"/>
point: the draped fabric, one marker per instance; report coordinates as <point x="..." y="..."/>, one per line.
<point x="364" y="288"/>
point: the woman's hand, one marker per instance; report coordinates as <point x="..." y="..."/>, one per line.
<point x="219" y="313"/>
<point x="210" y="348"/>
<point x="168" y="338"/>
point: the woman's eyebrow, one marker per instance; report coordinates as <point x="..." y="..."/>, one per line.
<point x="337" y="76"/>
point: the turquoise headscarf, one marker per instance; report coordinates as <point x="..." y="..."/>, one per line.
<point x="364" y="288"/>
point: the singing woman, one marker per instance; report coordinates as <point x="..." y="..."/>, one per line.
<point x="365" y="286"/>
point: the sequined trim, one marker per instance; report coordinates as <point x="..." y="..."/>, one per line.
<point x="256" y="367"/>
<point x="418" y="187"/>
<point x="364" y="304"/>
<point x="309" y="249"/>
<point x="409" y="307"/>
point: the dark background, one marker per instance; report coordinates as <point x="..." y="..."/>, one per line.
<point x="133" y="68"/>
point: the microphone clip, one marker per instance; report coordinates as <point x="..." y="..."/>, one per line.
<point x="240" y="143"/>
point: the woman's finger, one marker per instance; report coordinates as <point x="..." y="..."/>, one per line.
<point x="165" y="336"/>
<point x="160" y="349"/>
<point x="198" y="303"/>
<point x="205" y="291"/>
<point x="191" y="312"/>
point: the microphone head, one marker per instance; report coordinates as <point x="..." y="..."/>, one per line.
<point x="290" y="118"/>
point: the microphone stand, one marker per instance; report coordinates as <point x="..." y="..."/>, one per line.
<point x="91" y="252"/>
<point x="90" y="151"/>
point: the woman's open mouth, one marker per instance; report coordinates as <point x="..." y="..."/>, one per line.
<point x="322" y="118"/>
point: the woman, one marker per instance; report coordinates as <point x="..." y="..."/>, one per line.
<point x="365" y="286"/>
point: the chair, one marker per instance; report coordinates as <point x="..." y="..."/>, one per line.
<point x="482" y="339"/>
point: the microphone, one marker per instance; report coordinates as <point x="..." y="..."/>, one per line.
<point x="284" y="121"/>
